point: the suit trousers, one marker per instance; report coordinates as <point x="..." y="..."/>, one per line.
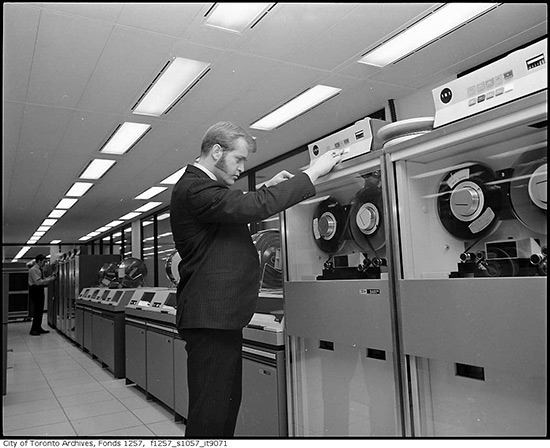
<point x="36" y="295"/>
<point x="214" y="375"/>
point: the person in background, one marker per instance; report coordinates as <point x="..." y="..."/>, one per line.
<point x="219" y="268"/>
<point x="37" y="284"/>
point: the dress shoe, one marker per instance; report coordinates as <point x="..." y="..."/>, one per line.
<point x="42" y="331"/>
<point x="35" y="333"/>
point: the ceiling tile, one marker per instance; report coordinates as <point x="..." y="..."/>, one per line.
<point x="43" y="128"/>
<point x="353" y="34"/>
<point x="104" y="11"/>
<point x="20" y="31"/>
<point x="129" y="63"/>
<point x="165" y="18"/>
<point x="286" y="29"/>
<point x="12" y="121"/>
<point x="64" y="62"/>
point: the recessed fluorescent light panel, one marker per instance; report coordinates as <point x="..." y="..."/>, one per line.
<point x="151" y="192"/>
<point x="97" y="168"/>
<point x="125" y="137"/>
<point x="48" y="222"/>
<point x="57" y="213"/>
<point x="148" y="206"/>
<point x="440" y="22"/>
<point x="79" y="189"/>
<point x="236" y="17"/>
<point x="296" y="107"/>
<point x="114" y="223"/>
<point x="173" y="179"/>
<point x="176" y="78"/>
<point x="22" y="252"/>
<point x="66" y="203"/>
<point x="130" y="215"/>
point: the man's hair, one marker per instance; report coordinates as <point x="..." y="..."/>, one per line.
<point x="39" y="257"/>
<point x="224" y="134"/>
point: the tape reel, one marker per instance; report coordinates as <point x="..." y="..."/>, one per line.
<point x="468" y="204"/>
<point x="329" y="225"/>
<point x="171" y="267"/>
<point x="528" y="190"/>
<point x="366" y="220"/>
<point x="268" y="245"/>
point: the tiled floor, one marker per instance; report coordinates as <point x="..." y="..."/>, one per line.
<point x="55" y="389"/>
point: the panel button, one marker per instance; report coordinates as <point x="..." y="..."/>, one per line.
<point x="508" y="75"/>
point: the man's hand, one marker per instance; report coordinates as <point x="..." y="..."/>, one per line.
<point x="278" y="178"/>
<point x="324" y="164"/>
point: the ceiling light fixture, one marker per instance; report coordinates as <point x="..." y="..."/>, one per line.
<point x="175" y="79"/>
<point x="296" y="107"/>
<point x="430" y="28"/>
<point x="66" y="203"/>
<point x="79" y="189"/>
<point x="114" y="223"/>
<point x="125" y="137"/>
<point x="55" y="241"/>
<point x="97" y="168"/>
<point x="173" y="179"/>
<point x="48" y="222"/>
<point x="22" y="252"/>
<point x="57" y="213"/>
<point x="148" y="206"/>
<point x="130" y="215"/>
<point x="151" y="192"/>
<point x="236" y="17"/>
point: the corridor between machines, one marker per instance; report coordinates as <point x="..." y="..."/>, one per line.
<point x="58" y="390"/>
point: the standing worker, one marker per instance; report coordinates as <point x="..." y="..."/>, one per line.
<point x="37" y="282"/>
<point x="219" y="268"/>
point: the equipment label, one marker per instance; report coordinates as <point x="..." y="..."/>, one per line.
<point x="369" y="291"/>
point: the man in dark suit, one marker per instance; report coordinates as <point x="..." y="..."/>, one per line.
<point x="37" y="284"/>
<point x="219" y="268"/>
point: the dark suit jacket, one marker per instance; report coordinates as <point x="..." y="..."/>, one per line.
<point x="219" y="268"/>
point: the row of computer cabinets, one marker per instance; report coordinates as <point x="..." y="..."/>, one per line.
<point x="132" y="333"/>
<point x="144" y="347"/>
